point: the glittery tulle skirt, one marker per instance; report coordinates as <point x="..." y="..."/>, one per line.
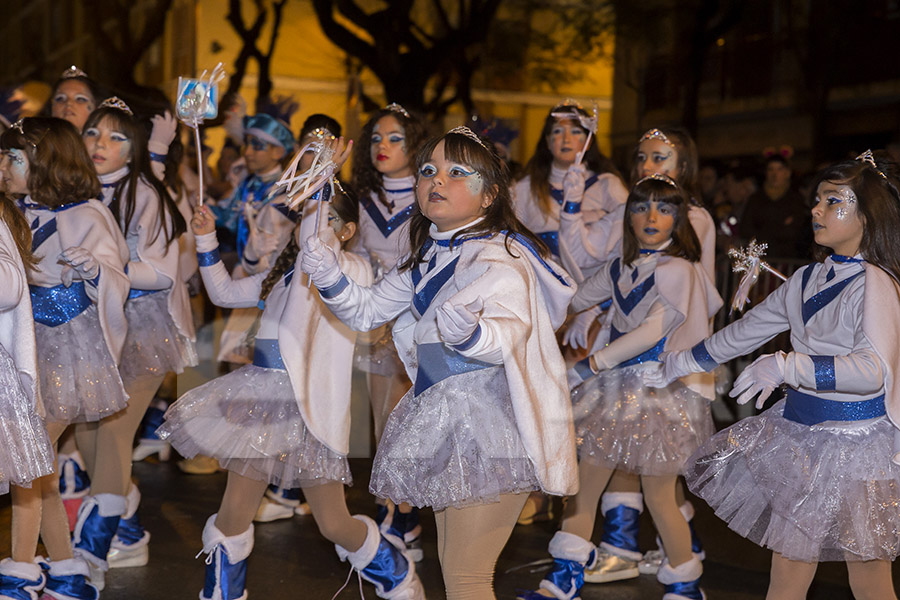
<point x="455" y="444"/>
<point x="621" y="423"/>
<point x="376" y="353"/>
<point x="153" y="345"/>
<point x="808" y="493"/>
<point x="249" y="421"/>
<point x="79" y="380"/>
<point x="25" y="450"/>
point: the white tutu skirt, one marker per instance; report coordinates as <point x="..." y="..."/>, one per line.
<point x="79" y="380"/>
<point x="249" y="421"/>
<point x="25" y="449"/>
<point x="622" y="424"/>
<point x="376" y="353"/>
<point x="808" y="493"/>
<point x="455" y="444"/>
<point x="153" y="345"/>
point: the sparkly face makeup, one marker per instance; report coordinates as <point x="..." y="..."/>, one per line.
<point x="657" y="157"/>
<point x="387" y="148"/>
<point x="565" y="140"/>
<point x="450" y="194"/>
<point x="14" y="171"/>
<point x="836" y="221"/>
<point x="73" y="102"/>
<point x="261" y="156"/>
<point x="109" y="148"/>
<point x="652" y="222"/>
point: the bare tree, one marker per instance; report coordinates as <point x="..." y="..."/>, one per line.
<point x="250" y="35"/>
<point x="121" y="44"/>
<point x="409" y="46"/>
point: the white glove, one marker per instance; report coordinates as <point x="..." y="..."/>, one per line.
<point x="79" y="261"/>
<point x="320" y="263"/>
<point x="576" y="334"/>
<point x="573" y="183"/>
<point x="164" y="128"/>
<point x="456" y="324"/>
<point x="673" y="365"/>
<point x="762" y="377"/>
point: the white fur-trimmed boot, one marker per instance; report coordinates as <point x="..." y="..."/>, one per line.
<point x="98" y="520"/>
<point x="682" y="582"/>
<point x="653" y="559"/>
<point x="68" y="580"/>
<point x="20" y="580"/>
<point x="226" y="562"/>
<point x="131" y="545"/>
<point x="566" y="577"/>
<point x="382" y="561"/>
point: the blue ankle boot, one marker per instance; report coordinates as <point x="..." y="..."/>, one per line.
<point x="382" y="561"/>
<point x="73" y="478"/>
<point x="226" y="563"/>
<point x="130" y="546"/>
<point x="68" y="580"/>
<point x="98" y="520"/>
<point x="20" y="580"/>
<point x="404" y="526"/>
<point x="566" y="577"/>
<point x="683" y="581"/>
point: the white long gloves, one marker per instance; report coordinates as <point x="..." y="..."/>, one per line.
<point x="762" y="377"/>
<point x="320" y="263"/>
<point x="79" y="261"/>
<point x="457" y="323"/>
<point x="576" y="334"/>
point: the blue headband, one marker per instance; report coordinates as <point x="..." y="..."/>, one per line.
<point x="269" y="129"/>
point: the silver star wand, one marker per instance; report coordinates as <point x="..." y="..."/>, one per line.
<point x="749" y="262"/>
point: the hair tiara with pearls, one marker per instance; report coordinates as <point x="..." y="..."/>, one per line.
<point x="394" y="107"/>
<point x="657" y="177"/>
<point x="71" y="72"/>
<point x="656" y="134"/>
<point x="465" y="131"/>
<point x="118" y="104"/>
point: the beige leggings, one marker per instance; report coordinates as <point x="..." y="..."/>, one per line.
<point x="39" y="510"/>
<point x="869" y="580"/>
<point x="384" y="394"/>
<point x="326" y="502"/>
<point x="659" y="496"/>
<point x="470" y="540"/>
<point x="106" y="445"/>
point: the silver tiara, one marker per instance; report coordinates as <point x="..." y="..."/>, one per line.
<point x="71" y="72"/>
<point x="868" y="157"/>
<point x="322" y="133"/>
<point x="18" y="127"/>
<point x="656" y="134"/>
<point x="463" y="130"/>
<point x="394" y="107"/>
<point x="657" y="177"/>
<point x="117" y="103"/>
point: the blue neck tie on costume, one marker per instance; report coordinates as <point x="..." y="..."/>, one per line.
<point x="386" y="227"/>
<point x="634" y="297"/>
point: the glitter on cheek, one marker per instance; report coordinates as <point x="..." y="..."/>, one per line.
<point x="842" y="213"/>
<point x="474" y="183"/>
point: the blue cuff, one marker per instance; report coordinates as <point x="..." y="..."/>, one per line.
<point x="473" y="339"/>
<point x="824" y="367"/>
<point x="572" y="208"/>
<point x="158" y="157"/>
<point x="701" y="355"/>
<point x="96" y="280"/>
<point x="208" y="259"/>
<point x="250" y="262"/>
<point x="334" y="290"/>
<point x="583" y="368"/>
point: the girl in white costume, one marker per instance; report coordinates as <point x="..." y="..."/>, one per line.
<point x="159" y="339"/>
<point x="540" y="197"/>
<point x="586" y="247"/>
<point x="77" y="293"/>
<point x="815" y="477"/>
<point x="661" y="299"/>
<point x="285" y="419"/>
<point x="25" y="450"/>
<point x="383" y="180"/>
<point x="488" y="418"/>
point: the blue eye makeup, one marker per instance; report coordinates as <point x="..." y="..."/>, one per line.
<point x="91" y="132"/>
<point x="458" y="171"/>
<point x="428" y="170"/>
<point x="376" y="138"/>
<point x="666" y="208"/>
<point x="639" y="207"/>
<point x="118" y="137"/>
<point x="255" y="143"/>
<point x="396" y="139"/>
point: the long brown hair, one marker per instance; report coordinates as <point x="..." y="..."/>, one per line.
<point x="684" y="241"/>
<point x="365" y="178"/>
<point x="538" y="167"/>
<point x="59" y="168"/>
<point x="499" y="217"/>
<point x="21" y="232"/>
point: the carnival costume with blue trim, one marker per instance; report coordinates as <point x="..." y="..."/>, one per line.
<point x="443" y="444"/>
<point x="812" y="478"/>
